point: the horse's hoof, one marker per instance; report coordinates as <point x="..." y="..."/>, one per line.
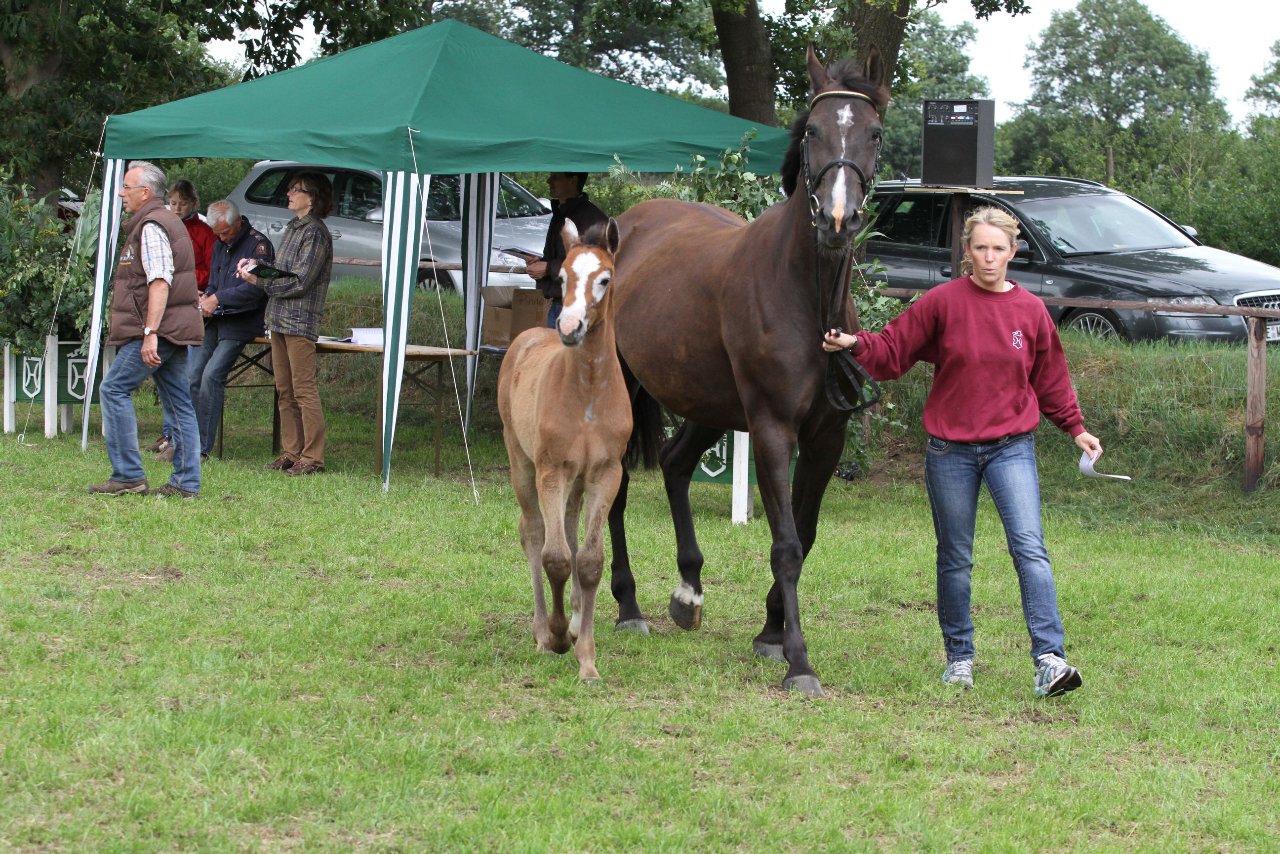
<point x="591" y="682"/>
<point x="638" y="626"/>
<point x="768" y="650"/>
<point x="686" y="607"/>
<point x="807" y="685"/>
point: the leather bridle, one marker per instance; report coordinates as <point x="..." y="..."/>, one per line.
<point x="841" y="365"/>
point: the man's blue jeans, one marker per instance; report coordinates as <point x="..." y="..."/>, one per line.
<point x="209" y="369"/>
<point x="120" y="421"/>
<point x="953" y="473"/>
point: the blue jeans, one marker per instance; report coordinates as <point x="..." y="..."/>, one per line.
<point x="553" y="313"/>
<point x="193" y="353"/>
<point x="209" y="368"/>
<point x="120" y="422"/>
<point x="953" y="474"/>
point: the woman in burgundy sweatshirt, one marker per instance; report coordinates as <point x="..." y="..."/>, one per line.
<point x="998" y="365"/>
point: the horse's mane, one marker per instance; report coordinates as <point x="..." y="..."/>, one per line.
<point x="849" y="76"/>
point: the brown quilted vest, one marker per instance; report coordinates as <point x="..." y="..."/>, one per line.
<point x="181" y="323"/>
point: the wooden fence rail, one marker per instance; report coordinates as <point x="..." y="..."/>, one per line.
<point x="1255" y="372"/>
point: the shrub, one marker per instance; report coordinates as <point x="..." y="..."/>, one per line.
<point x="45" y="284"/>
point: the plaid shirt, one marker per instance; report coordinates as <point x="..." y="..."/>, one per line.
<point x="296" y="304"/>
<point x="157" y="254"/>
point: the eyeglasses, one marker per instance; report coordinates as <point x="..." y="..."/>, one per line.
<point x="127" y="187"/>
<point x="293" y="190"/>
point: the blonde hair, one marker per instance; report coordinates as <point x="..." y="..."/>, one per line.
<point x="989" y="215"/>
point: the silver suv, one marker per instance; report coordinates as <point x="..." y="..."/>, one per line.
<point x="356" y="220"/>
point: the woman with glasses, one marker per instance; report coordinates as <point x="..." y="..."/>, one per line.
<point x="295" y="308"/>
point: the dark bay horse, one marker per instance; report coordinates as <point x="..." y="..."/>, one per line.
<point x="566" y="419"/>
<point x="721" y="321"/>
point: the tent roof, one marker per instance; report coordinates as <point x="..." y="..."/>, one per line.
<point x="475" y="103"/>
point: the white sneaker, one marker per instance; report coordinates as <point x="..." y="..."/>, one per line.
<point x="1054" y="676"/>
<point x="959" y="673"/>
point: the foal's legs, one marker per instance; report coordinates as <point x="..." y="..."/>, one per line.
<point x="557" y="558"/>
<point x="532" y="537"/>
<point x="589" y="565"/>
<point x="679" y="458"/>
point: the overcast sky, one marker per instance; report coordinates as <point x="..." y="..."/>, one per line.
<point x="1237" y="38"/>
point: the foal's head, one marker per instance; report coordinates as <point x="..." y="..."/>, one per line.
<point x="835" y="145"/>
<point x="585" y="276"/>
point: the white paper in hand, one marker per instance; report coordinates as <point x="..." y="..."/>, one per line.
<point x="1087" y="469"/>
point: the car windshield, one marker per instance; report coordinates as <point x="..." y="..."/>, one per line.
<point x="443" y="201"/>
<point x="1087" y="225"/>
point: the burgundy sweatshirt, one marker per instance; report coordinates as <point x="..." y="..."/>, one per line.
<point x="998" y="362"/>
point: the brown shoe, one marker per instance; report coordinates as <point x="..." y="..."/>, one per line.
<point x="158" y="445"/>
<point x="284" y="462"/>
<point x="119" y="487"/>
<point x="170" y="490"/>
<point x="301" y="468"/>
<point x="166" y="453"/>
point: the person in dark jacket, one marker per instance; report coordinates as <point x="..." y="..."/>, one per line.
<point x="233" y="314"/>
<point x="569" y="202"/>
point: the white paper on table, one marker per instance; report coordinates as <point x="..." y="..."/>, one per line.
<point x="1087" y="469"/>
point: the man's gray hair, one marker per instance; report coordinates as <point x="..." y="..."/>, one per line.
<point x="152" y="177"/>
<point x="223" y="212"/>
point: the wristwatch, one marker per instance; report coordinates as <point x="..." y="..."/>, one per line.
<point x="147" y="331"/>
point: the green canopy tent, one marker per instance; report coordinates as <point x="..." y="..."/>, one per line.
<point x="443" y="99"/>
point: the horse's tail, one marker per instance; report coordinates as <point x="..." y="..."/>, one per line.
<point x="646" y="430"/>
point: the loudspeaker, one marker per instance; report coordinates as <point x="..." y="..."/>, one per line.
<point x="958" y="143"/>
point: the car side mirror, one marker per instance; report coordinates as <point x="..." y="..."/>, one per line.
<point x="1022" y="249"/>
<point x="374" y="215"/>
<point x="1191" y="230"/>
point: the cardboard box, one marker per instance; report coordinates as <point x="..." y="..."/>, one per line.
<point x="497" y="326"/>
<point x="501" y="325"/>
<point x="528" y="309"/>
<point x="498" y="296"/>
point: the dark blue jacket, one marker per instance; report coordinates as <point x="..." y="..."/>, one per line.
<point x="241" y="306"/>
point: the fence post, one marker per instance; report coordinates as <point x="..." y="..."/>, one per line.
<point x="1255" y="403"/>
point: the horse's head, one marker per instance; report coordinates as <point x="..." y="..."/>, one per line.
<point x="585" y="275"/>
<point x="835" y="145"/>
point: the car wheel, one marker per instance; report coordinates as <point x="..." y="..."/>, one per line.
<point x="1101" y="323"/>
<point x="431" y="280"/>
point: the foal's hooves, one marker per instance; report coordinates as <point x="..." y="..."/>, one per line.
<point x="768" y="650"/>
<point x="807" y="685"/>
<point x="639" y="626"/>
<point x="591" y="682"/>
<point x="686" y="615"/>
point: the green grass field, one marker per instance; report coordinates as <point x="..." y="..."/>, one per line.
<point x="314" y="664"/>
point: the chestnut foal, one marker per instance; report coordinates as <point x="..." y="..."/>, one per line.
<point x="566" y="418"/>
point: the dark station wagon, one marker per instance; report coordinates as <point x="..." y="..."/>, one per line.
<point x="1082" y="240"/>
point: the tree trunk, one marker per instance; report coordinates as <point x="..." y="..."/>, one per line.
<point x="866" y="24"/>
<point x="748" y="60"/>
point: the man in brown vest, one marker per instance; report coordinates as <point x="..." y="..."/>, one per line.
<point x="154" y="317"/>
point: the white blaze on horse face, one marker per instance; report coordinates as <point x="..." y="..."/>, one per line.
<point x="584" y="266"/>
<point x="840" y="192"/>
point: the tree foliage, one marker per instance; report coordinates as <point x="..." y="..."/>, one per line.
<point x="1113" y="61"/>
<point x="933" y="63"/>
<point x="44" y="284"/>
<point x="1265" y="87"/>
<point x="66" y="65"/>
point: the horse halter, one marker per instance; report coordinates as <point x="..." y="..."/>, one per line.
<point x="811" y="181"/>
<point x="841" y="367"/>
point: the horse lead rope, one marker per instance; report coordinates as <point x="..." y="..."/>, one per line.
<point x="842" y="364"/>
